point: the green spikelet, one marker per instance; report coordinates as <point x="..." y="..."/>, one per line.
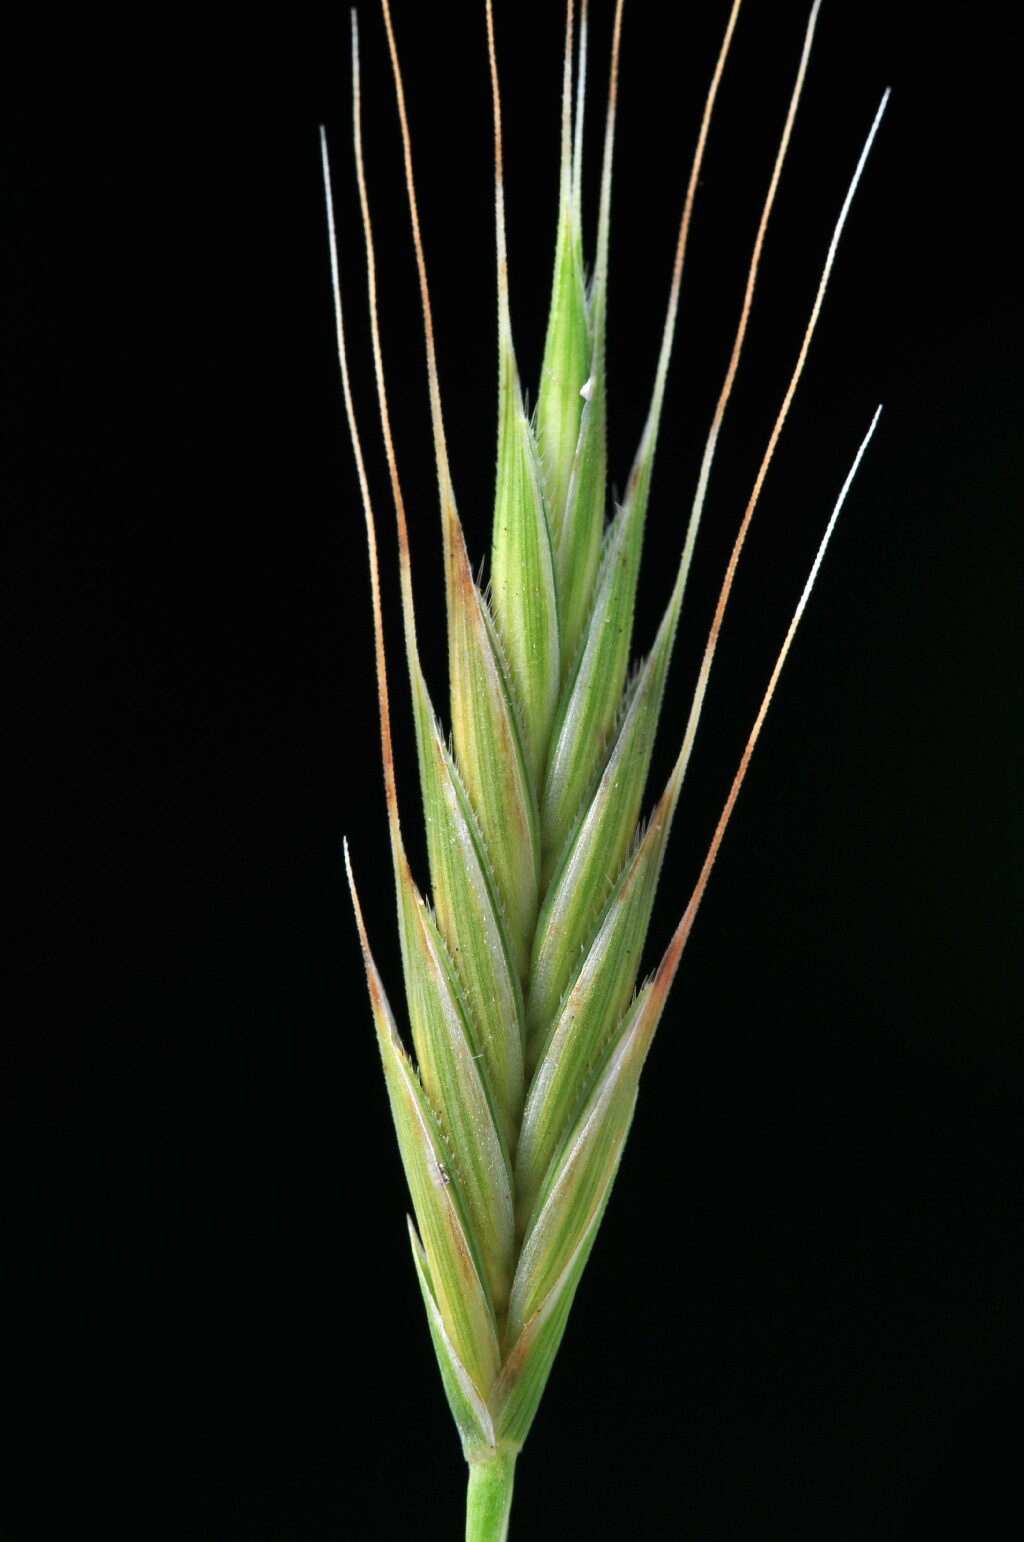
<point x="524" y="1011"/>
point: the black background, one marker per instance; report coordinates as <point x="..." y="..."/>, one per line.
<point x="802" y="1317"/>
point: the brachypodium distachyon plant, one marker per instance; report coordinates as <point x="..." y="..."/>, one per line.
<point x="528" y="1029"/>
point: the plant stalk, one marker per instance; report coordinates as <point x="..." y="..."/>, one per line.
<point x="489" y="1499"/>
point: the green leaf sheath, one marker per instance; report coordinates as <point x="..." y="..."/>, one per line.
<point x="469" y="918"/>
<point x="589" y="1013"/>
<point x="523" y="590"/>
<point x="455" y="1081"/>
<point x="571" y="460"/>
<point x="579" y="542"/>
<point x="452" y="1255"/>
<point x="491" y="757"/>
<point x="597" y="846"/>
<point x="580" y="1176"/>
<point x="590" y="703"/>
<point x="471" y="1413"/>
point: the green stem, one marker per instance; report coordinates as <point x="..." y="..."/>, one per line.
<point x="489" y="1499"/>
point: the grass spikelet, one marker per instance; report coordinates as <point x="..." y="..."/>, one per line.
<point x="528" y="1026"/>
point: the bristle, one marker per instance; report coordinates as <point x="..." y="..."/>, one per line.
<point x="679" y="769"/>
<point x="667" y="967"/>
<point x="748" y="300"/>
<point x="451" y="530"/>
